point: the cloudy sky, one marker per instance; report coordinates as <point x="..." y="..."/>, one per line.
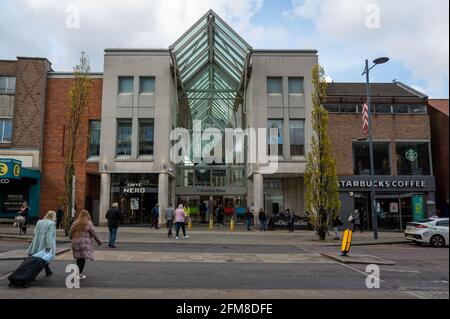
<point x="413" y="33"/>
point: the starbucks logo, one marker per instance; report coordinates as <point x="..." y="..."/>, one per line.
<point x="411" y="155"/>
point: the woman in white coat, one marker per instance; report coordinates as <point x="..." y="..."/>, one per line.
<point x="45" y="239"/>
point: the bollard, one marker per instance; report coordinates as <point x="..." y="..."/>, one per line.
<point x="232" y="224"/>
<point x="346" y="242"/>
<point x="211" y="224"/>
<point x="190" y="224"/>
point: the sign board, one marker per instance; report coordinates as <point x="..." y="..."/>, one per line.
<point x="134" y="203"/>
<point x="10" y="168"/>
<point x="394" y="207"/>
<point x="418" y="210"/>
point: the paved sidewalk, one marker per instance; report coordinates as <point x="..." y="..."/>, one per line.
<point x="200" y="235"/>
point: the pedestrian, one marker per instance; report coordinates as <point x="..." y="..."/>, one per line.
<point x="262" y="220"/>
<point x="114" y="217"/>
<point x="59" y="217"/>
<point x="24" y="212"/>
<point x="203" y="210"/>
<point x="45" y="239"/>
<point x="291" y="220"/>
<point x="170" y="212"/>
<point x="181" y="218"/>
<point x="249" y="219"/>
<point x="337" y="222"/>
<point x="155" y="217"/>
<point x="355" y="219"/>
<point x="82" y="234"/>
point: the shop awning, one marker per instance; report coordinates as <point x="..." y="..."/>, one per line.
<point x="211" y="61"/>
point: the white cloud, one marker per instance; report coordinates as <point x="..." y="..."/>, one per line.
<point x="111" y="24"/>
<point x="414" y="33"/>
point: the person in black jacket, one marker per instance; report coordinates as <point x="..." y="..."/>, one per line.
<point x="24" y="212"/>
<point x="114" y="217"/>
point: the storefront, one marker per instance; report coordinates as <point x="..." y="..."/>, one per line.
<point x="18" y="184"/>
<point x="399" y="199"/>
<point x="136" y="194"/>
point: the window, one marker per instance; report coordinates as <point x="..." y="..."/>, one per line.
<point x="7" y="84"/>
<point x="348" y="108"/>
<point x="401" y="109"/>
<point x="146" y="130"/>
<point x="418" y="109"/>
<point x="297" y="132"/>
<point x="275" y="139"/>
<point x="443" y="223"/>
<point x="126" y="84"/>
<point x="332" y="108"/>
<point x="413" y="158"/>
<point x="94" y="138"/>
<point x="361" y="156"/>
<point x="296" y="86"/>
<point x="274" y="85"/>
<point x="147" y="85"/>
<point x="124" y="132"/>
<point x="5" y="130"/>
<point x="383" y="109"/>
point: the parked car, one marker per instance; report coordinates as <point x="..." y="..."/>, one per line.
<point x="433" y="231"/>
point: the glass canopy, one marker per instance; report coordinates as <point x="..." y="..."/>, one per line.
<point x="211" y="60"/>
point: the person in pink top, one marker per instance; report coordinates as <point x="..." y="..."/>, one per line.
<point x="180" y="219"/>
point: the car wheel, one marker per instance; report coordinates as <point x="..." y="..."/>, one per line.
<point x="437" y="241"/>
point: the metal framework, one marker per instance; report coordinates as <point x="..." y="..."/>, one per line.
<point x="211" y="62"/>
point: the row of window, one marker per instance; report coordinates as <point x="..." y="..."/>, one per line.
<point x="413" y="158"/>
<point x="7" y="84"/>
<point x="296" y="132"/>
<point x="275" y="85"/>
<point x="5" y="130"/>
<point x="377" y="108"/>
<point x="126" y="84"/>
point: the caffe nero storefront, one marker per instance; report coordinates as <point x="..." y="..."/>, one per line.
<point x="18" y="184"/>
<point x="399" y="199"/>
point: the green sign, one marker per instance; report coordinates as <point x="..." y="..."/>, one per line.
<point x="411" y="155"/>
<point x="10" y="168"/>
<point x="418" y="209"/>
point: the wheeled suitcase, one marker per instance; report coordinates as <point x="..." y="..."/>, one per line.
<point x="27" y="272"/>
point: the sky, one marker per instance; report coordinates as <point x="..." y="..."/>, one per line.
<point x="414" y="34"/>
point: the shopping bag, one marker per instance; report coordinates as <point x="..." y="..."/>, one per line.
<point x="45" y="255"/>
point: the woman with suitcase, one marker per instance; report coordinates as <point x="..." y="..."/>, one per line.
<point x="82" y="234"/>
<point x="45" y="239"/>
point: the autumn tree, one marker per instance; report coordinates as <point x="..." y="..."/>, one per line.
<point x="79" y="96"/>
<point x="322" y="190"/>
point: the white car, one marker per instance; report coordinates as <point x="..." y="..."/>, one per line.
<point x="433" y="231"/>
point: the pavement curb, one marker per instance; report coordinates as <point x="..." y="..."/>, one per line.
<point x="62" y="251"/>
<point x="23" y="238"/>
<point x="360" y="260"/>
<point x="400" y="242"/>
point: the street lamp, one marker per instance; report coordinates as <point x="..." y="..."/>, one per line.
<point x="376" y="62"/>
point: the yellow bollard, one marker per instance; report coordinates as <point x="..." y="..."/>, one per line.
<point x="190" y="224"/>
<point x="211" y="224"/>
<point x="232" y="224"/>
<point x="346" y="242"/>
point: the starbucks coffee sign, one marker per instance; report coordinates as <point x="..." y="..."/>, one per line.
<point x="388" y="183"/>
<point x="411" y="155"/>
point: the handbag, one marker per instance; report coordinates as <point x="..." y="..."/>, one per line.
<point x="45" y="255"/>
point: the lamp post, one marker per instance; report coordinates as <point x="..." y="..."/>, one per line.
<point x="372" y="166"/>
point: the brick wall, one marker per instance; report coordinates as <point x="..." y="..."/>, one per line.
<point x="8" y="68"/>
<point x="440" y="149"/>
<point x="29" y="106"/>
<point x="57" y="104"/>
<point x="345" y="128"/>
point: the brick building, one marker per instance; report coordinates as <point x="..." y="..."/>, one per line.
<point x="22" y="108"/>
<point x="55" y="141"/>
<point x="439" y="110"/>
<point x="402" y="152"/>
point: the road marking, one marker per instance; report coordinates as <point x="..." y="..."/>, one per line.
<point x="6" y="276"/>
<point x="403" y="271"/>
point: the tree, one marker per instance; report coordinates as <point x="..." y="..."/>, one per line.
<point x="79" y="96"/>
<point x="322" y="189"/>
